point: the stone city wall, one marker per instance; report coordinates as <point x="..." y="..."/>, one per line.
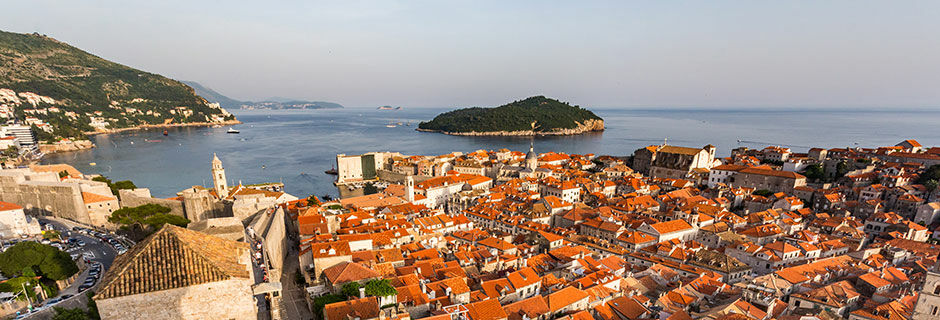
<point x="45" y="198"/>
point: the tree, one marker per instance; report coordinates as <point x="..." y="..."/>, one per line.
<point x="931" y="184"/>
<point x="77" y="313"/>
<point x="815" y="172"/>
<point x="351" y="289"/>
<point x="322" y="301"/>
<point x="930" y="177"/>
<point x="841" y="169"/>
<point x="69" y="314"/>
<point x="142" y="220"/>
<point x="153" y="215"/>
<point x="115" y="186"/>
<point x="369" y="189"/>
<point x="92" y="306"/>
<point x="44" y="260"/>
<point x="11" y="152"/>
<point x="763" y="193"/>
<point x="380" y="288"/>
<point x="312" y="201"/>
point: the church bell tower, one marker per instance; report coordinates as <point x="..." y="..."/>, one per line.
<point x="218" y="177"/>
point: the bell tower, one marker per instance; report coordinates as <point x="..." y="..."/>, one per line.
<point x="410" y="189"/>
<point x="218" y="177"/>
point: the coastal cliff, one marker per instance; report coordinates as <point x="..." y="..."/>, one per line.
<point x="534" y="116"/>
<point x="590" y="125"/>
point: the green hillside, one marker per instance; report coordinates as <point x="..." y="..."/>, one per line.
<point x="549" y="114"/>
<point x="84" y="86"/>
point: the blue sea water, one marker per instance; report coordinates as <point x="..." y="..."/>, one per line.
<point x="296" y="146"/>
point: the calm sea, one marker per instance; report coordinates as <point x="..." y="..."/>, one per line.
<point x="295" y="147"/>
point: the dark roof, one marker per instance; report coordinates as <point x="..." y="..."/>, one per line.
<point x="174" y="257"/>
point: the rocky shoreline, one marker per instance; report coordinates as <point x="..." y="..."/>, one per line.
<point x="588" y="126"/>
<point x="73" y="145"/>
<point x="163" y="126"/>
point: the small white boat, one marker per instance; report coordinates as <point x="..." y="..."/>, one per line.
<point x="232" y="130"/>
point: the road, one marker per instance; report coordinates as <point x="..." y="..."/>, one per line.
<point x="98" y="252"/>
<point x="103" y="252"/>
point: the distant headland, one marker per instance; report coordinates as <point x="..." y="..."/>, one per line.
<point x="534" y="116"/>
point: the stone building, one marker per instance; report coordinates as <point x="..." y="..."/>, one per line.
<point x="769" y="179"/>
<point x="199" y="204"/>
<point x="354" y="168"/>
<point x="99" y="208"/>
<point x="14" y="223"/>
<point x="674" y="162"/>
<point x="928" y="301"/>
<point x="179" y="274"/>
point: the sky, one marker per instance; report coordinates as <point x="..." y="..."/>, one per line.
<point x="690" y="54"/>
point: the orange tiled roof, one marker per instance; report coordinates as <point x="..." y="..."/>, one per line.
<point x="565" y="297"/>
<point x="6" y="206"/>
<point x="488" y="309"/>
<point x="174" y="257"/>
<point x="89" y="197"/>
<point x="671" y="226"/>
<point x="349" y="271"/>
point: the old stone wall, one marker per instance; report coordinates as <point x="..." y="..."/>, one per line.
<point x="141" y="196"/>
<point x="275" y="242"/>
<point x="398" y="178"/>
<point x="46" y="198"/>
<point x="229" y="299"/>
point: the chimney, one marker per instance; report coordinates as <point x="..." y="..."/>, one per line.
<point x="362" y="292"/>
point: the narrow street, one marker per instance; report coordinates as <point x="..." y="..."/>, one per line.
<point x="293" y="303"/>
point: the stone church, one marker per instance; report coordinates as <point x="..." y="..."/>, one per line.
<point x="240" y="201"/>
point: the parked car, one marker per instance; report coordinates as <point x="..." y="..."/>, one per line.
<point x="52" y="301"/>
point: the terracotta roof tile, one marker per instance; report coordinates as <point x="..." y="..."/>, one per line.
<point x="174" y="257"/>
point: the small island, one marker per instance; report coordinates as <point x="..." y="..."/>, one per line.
<point x="539" y="116"/>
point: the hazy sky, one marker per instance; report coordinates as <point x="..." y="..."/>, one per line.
<point x="461" y="53"/>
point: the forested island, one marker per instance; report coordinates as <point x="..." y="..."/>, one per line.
<point x="532" y="116"/>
